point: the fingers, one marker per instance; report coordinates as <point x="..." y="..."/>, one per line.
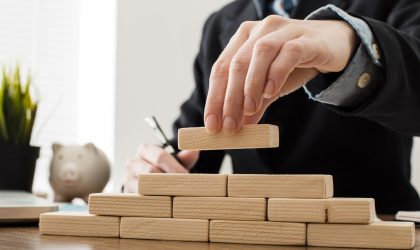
<point x="219" y="79"/>
<point x="285" y="75"/>
<point x="135" y="167"/>
<point x="188" y="157"/>
<point x="239" y="76"/>
<point x="253" y="119"/>
<point x="234" y="98"/>
<point x="254" y="70"/>
<point x="130" y="185"/>
<point x="236" y="101"/>
<point x="153" y="159"/>
<point x="138" y="166"/>
<point x="157" y="156"/>
<point x="293" y="55"/>
<point x="297" y="79"/>
<point x="264" y="52"/>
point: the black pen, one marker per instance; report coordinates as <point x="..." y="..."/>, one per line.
<point x="161" y="137"/>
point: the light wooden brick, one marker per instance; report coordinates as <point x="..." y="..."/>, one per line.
<point x="164" y="229"/>
<point x="130" y="205"/>
<point x="332" y="210"/>
<point x="296" y="210"/>
<point x="351" y="210"/>
<point x="382" y="235"/>
<point x="79" y="224"/>
<point x="280" y="186"/>
<point x="258" y="232"/>
<point x="220" y="208"/>
<point x="183" y="184"/>
<point x="250" y="136"/>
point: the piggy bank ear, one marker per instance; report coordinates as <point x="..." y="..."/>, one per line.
<point x="56" y="147"/>
<point x="91" y="147"/>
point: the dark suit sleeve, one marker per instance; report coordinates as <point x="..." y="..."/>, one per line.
<point x="395" y="102"/>
<point x="192" y="110"/>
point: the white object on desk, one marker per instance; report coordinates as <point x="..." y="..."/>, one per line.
<point x="408" y="216"/>
<point x="22" y="206"/>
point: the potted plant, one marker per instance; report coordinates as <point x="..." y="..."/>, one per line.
<point x="17" y="115"/>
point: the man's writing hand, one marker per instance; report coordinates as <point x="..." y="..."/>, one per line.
<point x="154" y="159"/>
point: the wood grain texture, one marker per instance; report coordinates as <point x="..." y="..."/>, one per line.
<point x="164" y="229"/>
<point x="381" y="234"/>
<point x="280" y="186"/>
<point x="79" y="224"/>
<point x="220" y="208"/>
<point x="250" y="136"/>
<point x="332" y="210"/>
<point x="28" y="237"/>
<point x="183" y="184"/>
<point x="351" y="210"/>
<point x="258" y="232"/>
<point x="130" y="205"/>
<point x="296" y="210"/>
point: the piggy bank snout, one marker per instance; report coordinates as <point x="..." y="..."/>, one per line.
<point x="69" y="173"/>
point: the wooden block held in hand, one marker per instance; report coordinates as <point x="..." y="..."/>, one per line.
<point x="250" y="136"/>
<point x="258" y="232"/>
<point x="164" y="229"/>
<point x="220" y="208"/>
<point x="381" y="234"/>
<point x="183" y="184"/>
<point x="280" y="186"/>
<point x="332" y="210"/>
<point x="130" y="205"/>
<point x="79" y="224"/>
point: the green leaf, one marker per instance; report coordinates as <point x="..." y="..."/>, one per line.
<point x="17" y="109"/>
<point x="3" y="128"/>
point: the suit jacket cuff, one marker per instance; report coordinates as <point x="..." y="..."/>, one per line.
<point x="357" y="81"/>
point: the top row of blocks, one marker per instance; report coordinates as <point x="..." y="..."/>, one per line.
<point x="237" y="185"/>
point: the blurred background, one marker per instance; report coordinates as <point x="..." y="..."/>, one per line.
<point x="101" y="66"/>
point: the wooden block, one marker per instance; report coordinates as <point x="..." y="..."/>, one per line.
<point x="351" y="210"/>
<point x="220" y="208"/>
<point x="258" y="232"/>
<point x="296" y="210"/>
<point x="183" y="184"/>
<point x="333" y="210"/>
<point x="79" y="224"/>
<point x="164" y="229"/>
<point x="250" y="136"/>
<point x="280" y="186"/>
<point x="230" y="246"/>
<point x="381" y="234"/>
<point x="130" y="205"/>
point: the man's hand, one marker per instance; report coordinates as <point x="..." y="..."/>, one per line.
<point x="153" y="159"/>
<point x="268" y="59"/>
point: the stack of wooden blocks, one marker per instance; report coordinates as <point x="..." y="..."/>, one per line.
<point x="251" y="209"/>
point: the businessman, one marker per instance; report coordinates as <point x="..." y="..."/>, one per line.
<point x="340" y="78"/>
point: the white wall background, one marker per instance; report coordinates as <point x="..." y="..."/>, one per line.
<point x="156" y="45"/>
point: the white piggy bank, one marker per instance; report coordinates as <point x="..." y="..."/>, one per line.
<point x="76" y="171"/>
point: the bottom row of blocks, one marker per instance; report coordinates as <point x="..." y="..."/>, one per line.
<point x="379" y="234"/>
<point x="250" y="232"/>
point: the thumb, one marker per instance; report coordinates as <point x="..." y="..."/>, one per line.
<point x="188" y="157"/>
